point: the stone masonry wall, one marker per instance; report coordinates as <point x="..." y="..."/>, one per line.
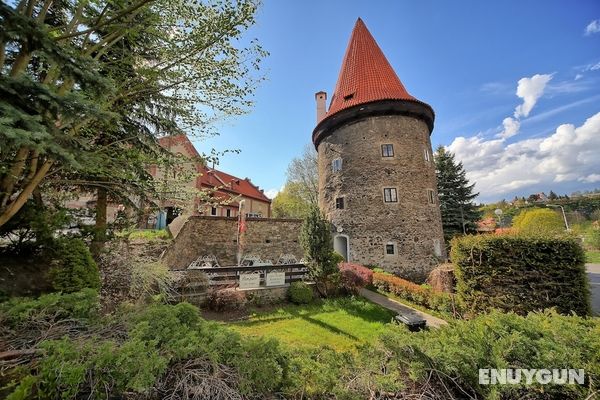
<point x="203" y="235"/>
<point x="412" y="224"/>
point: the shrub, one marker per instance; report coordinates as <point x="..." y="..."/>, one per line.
<point x="148" y="234"/>
<point x="539" y="221"/>
<point x="226" y="299"/>
<point x="593" y="238"/>
<point x="82" y="305"/>
<point x="300" y="293"/>
<point x="419" y="294"/>
<point x="354" y="277"/>
<point x="150" y="278"/>
<point x="73" y="267"/>
<point x="521" y="274"/>
<point x="450" y="357"/>
<point x="318" y="374"/>
<point x="260" y="363"/>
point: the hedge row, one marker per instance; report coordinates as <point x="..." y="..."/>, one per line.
<point x="521" y="274"/>
<point x="418" y="294"/>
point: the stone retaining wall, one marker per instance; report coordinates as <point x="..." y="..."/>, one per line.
<point x="267" y="238"/>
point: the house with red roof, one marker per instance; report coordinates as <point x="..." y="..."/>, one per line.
<point x="213" y="192"/>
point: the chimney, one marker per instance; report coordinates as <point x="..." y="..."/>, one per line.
<point x="321" y="98"/>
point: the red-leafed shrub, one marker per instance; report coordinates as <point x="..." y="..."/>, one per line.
<point x="226" y="300"/>
<point x="354" y="277"/>
<point x="423" y="295"/>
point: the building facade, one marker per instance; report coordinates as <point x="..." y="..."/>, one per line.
<point x="377" y="182"/>
<point x="208" y="191"/>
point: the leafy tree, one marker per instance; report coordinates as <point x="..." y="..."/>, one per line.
<point x="302" y="172"/>
<point x="539" y="221"/>
<point x="289" y="202"/>
<point x="459" y="213"/>
<point x="79" y="80"/>
<point x="552" y="196"/>
<point x="315" y="237"/>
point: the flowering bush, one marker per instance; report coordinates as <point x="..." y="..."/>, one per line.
<point x="354" y="277"/>
<point x="226" y="299"/>
<point x="420" y="294"/>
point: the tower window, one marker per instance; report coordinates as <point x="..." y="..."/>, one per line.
<point x="339" y="203"/>
<point x="387" y="150"/>
<point x="228" y="212"/>
<point x="213" y="211"/>
<point x="427" y="155"/>
<point x="390" y="195"/>
<point x="430" y="196"/>
<point x="336" y="165"/>
<point x="390" y="249"/>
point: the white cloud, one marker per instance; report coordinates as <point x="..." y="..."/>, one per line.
<point x="570" y="154"/>
<point x="271" y="193"/>
<point x="578" y="77"/>
<point x="594" y="67"/>
<point x="593" y="27"/>
<point x="530" y="90"/>
<point x="511" y="128"/>
<point x="592" y="178"/>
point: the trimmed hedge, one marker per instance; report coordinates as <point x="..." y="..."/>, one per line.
<point x="418" y="294"/>
<point x="354" y="277"/>
<point x="521" y="274"/>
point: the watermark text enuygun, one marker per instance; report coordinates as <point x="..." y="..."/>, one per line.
<point x="516" y="376"/>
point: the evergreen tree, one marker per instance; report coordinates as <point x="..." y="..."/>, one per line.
<point x="552" y="196"/>
<point x="80" y="80"/>
<point x="315" y="237"/>
<point x="459" y="213"/>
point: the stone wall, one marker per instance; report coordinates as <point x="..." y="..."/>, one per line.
<point x="413" y="225"/>
<point x="267" y="238"/>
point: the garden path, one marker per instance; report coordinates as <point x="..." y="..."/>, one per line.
<point x="593" y="271"/>
<point x="400" y="308"/>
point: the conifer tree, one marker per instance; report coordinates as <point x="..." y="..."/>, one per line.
<point x="79" y="80"/>
<point x="459" y="213"/>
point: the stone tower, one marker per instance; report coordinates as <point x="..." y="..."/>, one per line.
<point x="377" y="182"/>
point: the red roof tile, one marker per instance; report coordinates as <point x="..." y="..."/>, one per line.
<point x="226" y="183"/>
<point x="366" y="75"/>
<point x="212" y="178"/>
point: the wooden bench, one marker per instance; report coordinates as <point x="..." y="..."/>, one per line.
<point x="413" y="321"/>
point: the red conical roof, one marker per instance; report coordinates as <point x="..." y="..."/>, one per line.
<point x="366" y="75"/>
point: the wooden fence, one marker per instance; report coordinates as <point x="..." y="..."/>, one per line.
<point x="254" y="276"/>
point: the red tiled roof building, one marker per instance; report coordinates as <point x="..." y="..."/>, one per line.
<point x="221" y="191"/>
<point x="377" y="180"/>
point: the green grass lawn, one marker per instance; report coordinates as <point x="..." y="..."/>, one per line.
<point x="592" y="256"/>
<point x="339" y="323"/>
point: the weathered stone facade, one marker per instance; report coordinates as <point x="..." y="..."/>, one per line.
<point x="264" y="237"/>
<point x="412" y="224"/>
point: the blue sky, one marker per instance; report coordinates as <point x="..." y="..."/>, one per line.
<point x="515" y="86"/>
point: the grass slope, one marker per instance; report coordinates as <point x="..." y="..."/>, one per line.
<point x="592" y="256"/>
<point x="340" y="323"/>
